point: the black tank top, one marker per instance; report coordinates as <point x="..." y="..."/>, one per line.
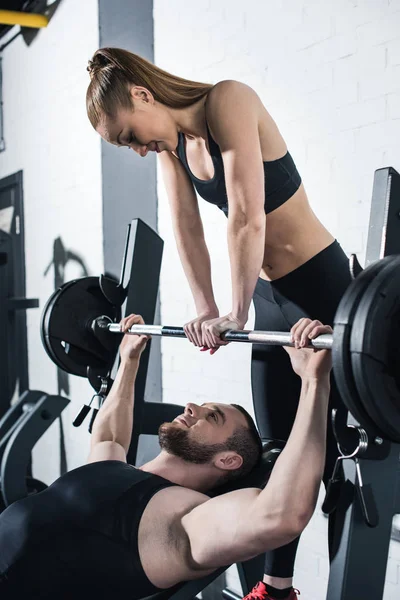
<point x="83" y="528"/>
<point x="282" y="179"/>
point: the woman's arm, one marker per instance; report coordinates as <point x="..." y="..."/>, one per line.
<point x="233" y="111"/>
<point x="188" y="231"/>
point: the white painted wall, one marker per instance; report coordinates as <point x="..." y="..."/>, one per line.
<point x="49" y="137"/>
<point x="329" y="73"/>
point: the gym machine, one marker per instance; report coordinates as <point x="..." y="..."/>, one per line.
<point x="369" y="496"/>
<point x="20" y="428"/>
<point x="24" y="421"/>
<point x="81" y="335"/>
<point x="78" y="351"/>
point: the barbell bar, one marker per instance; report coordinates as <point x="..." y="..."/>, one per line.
<point x="271" y="338"/>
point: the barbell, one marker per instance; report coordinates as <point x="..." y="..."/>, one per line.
<point x="81" y="319"/>
<point x="270" y="338"/>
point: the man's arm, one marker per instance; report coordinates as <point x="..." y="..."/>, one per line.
<point x="246" y="523"/>
<point x="112" y="429"/>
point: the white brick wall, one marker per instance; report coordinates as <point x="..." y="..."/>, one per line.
<point x="329" y="73"/>
<point x="49" y="137"/>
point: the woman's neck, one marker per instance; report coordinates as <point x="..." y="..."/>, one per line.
<point x="191" y="121"/>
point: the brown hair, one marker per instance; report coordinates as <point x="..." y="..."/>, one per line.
<point x="246" y="441"/>
<point x="113" y="70"/>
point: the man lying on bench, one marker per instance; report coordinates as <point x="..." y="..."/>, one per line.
<point x="110" y="530"/>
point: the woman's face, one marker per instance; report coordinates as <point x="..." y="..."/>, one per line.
<point x="147" y="127"/>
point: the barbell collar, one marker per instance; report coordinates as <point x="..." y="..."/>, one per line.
<point x="271" y="338"/>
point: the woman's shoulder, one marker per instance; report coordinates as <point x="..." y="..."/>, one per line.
<point x="228" y="93"/>
<point x="230" y="99"/>
<point x="228" y="86"/>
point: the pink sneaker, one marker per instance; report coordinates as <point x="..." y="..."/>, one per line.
<point x="259" y="592"/>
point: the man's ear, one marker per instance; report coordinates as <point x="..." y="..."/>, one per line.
<point x="228" y="461"/>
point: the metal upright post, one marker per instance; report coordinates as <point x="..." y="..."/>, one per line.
<point x="140" y="275"/>
<point x="384" y="221"/>
<point x="358" y="568"/>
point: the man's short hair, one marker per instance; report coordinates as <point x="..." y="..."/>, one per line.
<point x="247" y="443"/>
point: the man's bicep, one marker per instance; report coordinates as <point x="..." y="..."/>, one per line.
<point x="106" y="451"/>
<point x="228" y="529"/>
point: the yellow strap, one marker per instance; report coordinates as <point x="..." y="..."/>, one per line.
<point x="13" y="17"/>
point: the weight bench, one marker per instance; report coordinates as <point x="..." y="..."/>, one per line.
<point x="78" y="356"/>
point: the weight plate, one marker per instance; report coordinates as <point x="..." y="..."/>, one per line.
<point x="374" y="347"/>
<point x="341" y="356"/>
<point x="66" y="330"/>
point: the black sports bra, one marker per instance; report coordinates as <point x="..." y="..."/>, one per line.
<point x="282" y="179"/>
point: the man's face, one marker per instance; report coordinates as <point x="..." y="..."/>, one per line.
<point x="201" y="432"/>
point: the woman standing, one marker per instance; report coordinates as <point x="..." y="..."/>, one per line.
<point x="221" y="142"/>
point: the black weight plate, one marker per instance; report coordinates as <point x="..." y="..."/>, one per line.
<point x="374" y="347"/>
<point x="66" y="327"/>
<point x="55" y="345"/>
<point x="43" y="328"/>
<point x="341" y="356"/>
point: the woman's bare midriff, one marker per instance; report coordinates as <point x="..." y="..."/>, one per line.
<point x="293" y="235"/>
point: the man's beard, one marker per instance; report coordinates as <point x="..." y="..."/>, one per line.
<point x="175" y="440"/>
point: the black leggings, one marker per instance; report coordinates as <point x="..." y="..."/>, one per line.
<point x="312" y="290"/>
